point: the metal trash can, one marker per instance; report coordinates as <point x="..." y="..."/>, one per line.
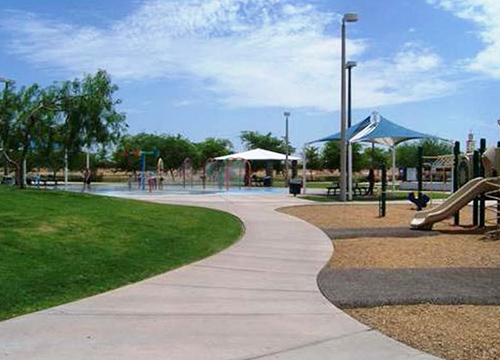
<point x="295" y="186"/>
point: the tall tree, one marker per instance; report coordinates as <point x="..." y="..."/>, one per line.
<point x="313" y="159"/>
<point x="172" y="149"/>
<point x="253" y="140"/>
<point x="377" y="155"/>
<point x="87" y="112"/>
<point x="211" y="148"/>
<point x="331" y="155"/>
<point x="68" y="115"/>
<point x="28" y="114"/>
<point x="407" y="153"/>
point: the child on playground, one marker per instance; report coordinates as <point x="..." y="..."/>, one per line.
<point x="86" y="179"/>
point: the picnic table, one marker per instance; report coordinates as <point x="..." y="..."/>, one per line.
<point x="261" y="181"/>
<point x="358" y="188"/>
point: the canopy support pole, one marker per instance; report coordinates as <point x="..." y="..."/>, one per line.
<point x="349" y="168"/>
<point x="304" y="170"/>
<point x="393" y="169"/>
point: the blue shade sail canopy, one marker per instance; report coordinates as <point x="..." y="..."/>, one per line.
<point x="350" y="132"/>
<point x="377" y="129"/>
<point x="384" y="132"/>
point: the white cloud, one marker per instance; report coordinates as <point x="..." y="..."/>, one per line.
<point x="408" y="75"/>
<point x="250" y="53"/>
<point x="486" y="15"/>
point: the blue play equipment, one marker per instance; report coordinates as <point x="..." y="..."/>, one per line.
<point x="421" y="201"/>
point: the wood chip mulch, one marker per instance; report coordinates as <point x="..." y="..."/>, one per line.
<point x="450" y="331"/>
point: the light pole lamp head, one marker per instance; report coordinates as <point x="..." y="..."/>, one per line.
<point x="498" y="122"/>
<point x="350" y="18"/>
<point x="7" y="81"/>
<point x="351" y="64"/>
<point x="286" y="113"/>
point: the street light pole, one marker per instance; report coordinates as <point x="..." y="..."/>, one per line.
<point x="7" y="82"/>
<point x="287" y="115"/>
<point x="349" y="65"/>
<point x="498" y="122"/>
<point x="343" y="145"/>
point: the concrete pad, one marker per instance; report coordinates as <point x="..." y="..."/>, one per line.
<point x="228" y="278"/>
<point x="165" y="299"/>
<point x="173" y="337"/>
<point x="366" y="345"/>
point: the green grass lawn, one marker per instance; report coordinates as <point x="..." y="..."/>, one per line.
<point x="57" y="247"/>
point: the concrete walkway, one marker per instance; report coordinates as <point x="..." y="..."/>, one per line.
<point x="256" y="300"/>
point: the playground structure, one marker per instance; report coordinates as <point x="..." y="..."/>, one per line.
<point x="485" y="185"/>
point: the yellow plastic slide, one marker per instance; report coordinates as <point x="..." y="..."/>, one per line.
<point x="424" y="220"/>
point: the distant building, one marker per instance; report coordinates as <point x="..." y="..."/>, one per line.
<point x="471" y="144"/>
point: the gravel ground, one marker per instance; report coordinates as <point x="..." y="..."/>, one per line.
<point x="444" y="250"/>
<point x="459" y="332"/>
<point x="453" y="332"/>
<point x="338" y="216"/>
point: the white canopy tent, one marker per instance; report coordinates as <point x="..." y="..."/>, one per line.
<point x="258" y="154"/>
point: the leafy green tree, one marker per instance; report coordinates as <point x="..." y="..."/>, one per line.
<point x="313" y="159"/>
<point x="87" y="112"/>
<point x="376" y="156"/>
<point x="127" y="154"/>
<point x="68" y="115"/>
<point x="28" y="114"/>
<point x="212" y="148"/>
<point x="407" y="153"/>
<point x="331" y="156"/>
<point x="359" y="160"/>
<point x="254" y="140"/>
<point x="172" y="149"/>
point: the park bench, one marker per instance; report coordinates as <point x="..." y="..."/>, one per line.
<point x="42" y="180"/>
<point x="262" y="181"/>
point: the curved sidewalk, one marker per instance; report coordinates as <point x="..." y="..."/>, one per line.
<point x="256" y="300"/>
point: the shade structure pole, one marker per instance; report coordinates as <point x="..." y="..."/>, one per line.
<point x="287" y="115"/>
<point x="304" y="170"/>
<point x="349" y="169"/>
<point x="393" y="168"/>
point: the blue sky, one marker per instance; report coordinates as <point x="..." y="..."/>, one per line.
<point x="213" y="68"/>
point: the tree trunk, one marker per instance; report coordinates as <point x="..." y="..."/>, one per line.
<point x="19" y="177"/>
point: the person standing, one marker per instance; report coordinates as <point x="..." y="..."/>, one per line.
<point x="371" y="181"/>
<point x="86" y="179"/>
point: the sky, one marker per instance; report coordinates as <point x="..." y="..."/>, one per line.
<point x="214" y="68"/>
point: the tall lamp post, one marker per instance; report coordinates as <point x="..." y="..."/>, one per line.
<point x="498" y="122"/>
<point x="349" y="65"/>
<point x="7" y="83"/>
<point x="343" y="145"/>
<point x="287" y="115"/>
